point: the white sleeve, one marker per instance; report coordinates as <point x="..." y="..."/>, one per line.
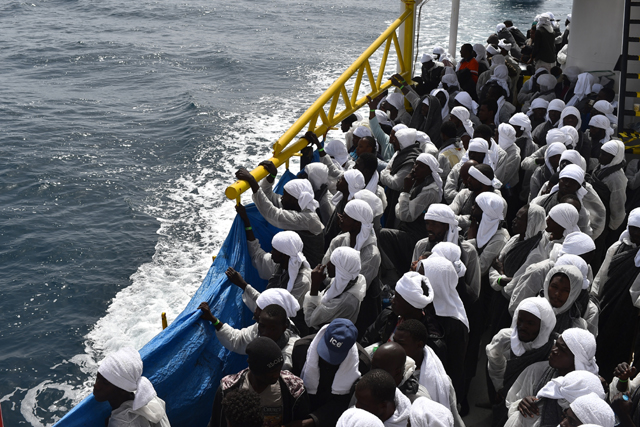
<point x="236" y="340"/>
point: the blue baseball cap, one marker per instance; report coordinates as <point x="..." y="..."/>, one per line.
<point x="339" y="337"/>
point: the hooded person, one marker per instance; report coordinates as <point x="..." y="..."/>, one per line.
<point x="599" y="133"/>
<point x="462" y="114"/>
<point x="500" y="76"/>
<point x="348" y="185"/>
<point x="536" y="159"/>
<point x="605" y="107"/>
<point x="386" y="149"/>
<point x="489" y="237"/>
<point x="318" y="175"/>
<point x="397" y="112"/>
<point x="528" y="88"/>
<point x="480" y="146"/>
<point x="355" y="417"/>
<point x="133" y="400"/>
<point x="590" y="409"/>
<point x="465" y="100"/>
<point x="582" y="88"/>
<point x="344" y="293"/>
<point x="427" y="113"/>
<point x="554" y="111"/>
<point x="481" y="57"/>
<point x="571" y="116"/>
<point x="562" y="287"/>
<point x="376" y="205"/>
<point x="444" y="101"/>
<point x="543" y="173"/>
<point x="617" y="286"/>
<point x="431" y="74"/>
<point x="376" y="392"/>
<point x="537" y="112"/>
<point x="610" y="182"/>
<point x="336" y="158"/>
<point x="506" y="140"/>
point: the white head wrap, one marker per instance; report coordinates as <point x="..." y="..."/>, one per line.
<point x="556" y="135"/>
<point x="383" y="118"/>
<point x="582" y="344"/>
<point x="572" y="133"/>
<point x="507" y="135"/>
<point x="566" y="216"/>
<point x="573" y="157"/>
<point x="573" y="385"/>
<point x="602" y="122"/>
<point x="479" y="145"/>
<point x="362" y="131"/>
<point x="500" y="75"/>
<point x="396" y="99"/>
<point x="445" y="107"/>
<point x="583" y="87"/>
<point x="399" y="126"/>
<point x="302" y="190"/>
<point x="625" y="237"/>
<point x="281" y="297"/>
<point x="337" y="150"/>
<point x="502" y="44"/>
<point x="481" y="52"/>
<point x="570" y="111"/>
<point x="590" y="409"/>
<point x="427" y="413"/>
<point x="355" y="181"/>
<point x="576" y="243"/>
<point x="372" y="200"/>
<point x="576" y="261"/>
<point x="575" y="280"/>
<point x="536" y="220"/>
<point x="290" y="244"/>
<point x="123" y="369"/>
<point x="450" y="80"/>
<point x="544" y="21"/>
<point x="547" y="82"/>
<point x="606" y="108"/>
<point x="555" y="105"/>
<point x="347" y="263"/>
<point x="465" y="99"/>
<point x="439" y="212"/>
<point x="500" y="27"/>
<point x="437" y="50"/>
<point x="539" y="103"/>
<point x="355" y="417"/>
<point x="523" y="121"/>
<point x="540" y="308"/>
<point x="463" y="114"/>
<point x="483" y="179"/>
<point x="409" y="287"/>
<point x="576" y="173"/>
<point x="433" y="164"/>
<point x="492" y="207"/>
<point x="318" y="174"/>
<point x="360" y="211"/>
<point x="444" y="280"/>
<point x="406" y="137"/>
<point x="616" y="148"/>
<point x="452" y="252"/>
<point x="553" y="149"/>
<point x="426" y="58"/>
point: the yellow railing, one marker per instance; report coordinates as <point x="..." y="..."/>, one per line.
<point x="283" y="149"/>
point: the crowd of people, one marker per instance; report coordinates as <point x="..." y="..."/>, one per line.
<point x="469" y="213"/>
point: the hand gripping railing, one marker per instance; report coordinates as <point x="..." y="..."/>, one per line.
<point x="283" y="149"/>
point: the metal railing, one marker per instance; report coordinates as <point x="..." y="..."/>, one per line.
<point x="319" y="119"/>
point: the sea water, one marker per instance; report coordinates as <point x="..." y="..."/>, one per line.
<point x="121" y="124"/>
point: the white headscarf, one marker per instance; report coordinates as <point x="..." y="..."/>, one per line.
<point x="463" y="115"/>
<point x="433" y="164"/>
<point x="582" y="88"/>
<point x="479" y="145"/>
<point x="502" y="44"/>
<point x="547" y="82"/>
<point x="451" y="80"/>
<point x="575" y="280"/>
<point x="555" y="105"/>
<point x="577" y="243"/>
<point x="523" y="121"/>
<point x="483" y="179"/>
<point x="540" y="308"/>
<point x="537" y="103"/>
<point x="544" y="21"/>
<point x="556" y="135"/>
<point x="606" y="108"/>
<point x="302" y="190"/>
<point x="426" y="58"/>
<point x="406" y="137"/>
<point x="445" y="107"/>
<point x="625" y="237"/>
<point x="354" y="417"/>
<point x="492" y="207"/>
<point x="616" y="148"/>
<point x="570" y="111"/>
<point x="536" y="220"/>
<point x="443" y="278"/>
<point x="494" y="52"/>
<point x="602" y="122"/>
<point x="576" y="173"/>
<point x="439" y="212"/>
<point x="452" y="252"/>
<point x="500" y="75"/>
<point x="465" y="99"/>
<point x="372" y="200"/>
<point x="396" y="99"/>
<point x="590" y="409"/>
<point x="347" y="263"/>
<point x="355" y="181"/>
<point x="360" y="211"/>
<point x="499" y="28"/>
<point x="507" y="135"/>
<point x="566" y="216"/>
<point x="123" y="369"/>
<point x="409" y="287"/>
<point x="290" y="244"/>
<point x="553" y="149"/>
<point x="338" y="151"/>
<point x="576" y="261"/>
<point x="318" y="174"/>
<point x="362" y="131"/>
<point x="573" y="135"/>
<point x="573" y="385"/>
<point x="573" y="157"/>
<point x="280" y="297"/>
<point x="582" y="344"/>
<point x="427" y="413"/>
<point x="383" y="118"/>
<point x="398" y="127"/>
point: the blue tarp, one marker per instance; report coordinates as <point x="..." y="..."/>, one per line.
<point x="185" y="362"/>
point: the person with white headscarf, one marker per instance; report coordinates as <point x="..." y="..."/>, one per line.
<point x="342" y="296"/>
<point x="386" y="148"/>
<point x="537" y="111"/>
<point x="485" y="231"/>
<point x="496" y="59"/>
<point x="443" y="97"/>
<point x="318" y="175"/>
<point x="582" y="88"/>
<point x="590" y="410"/>
<point x="528" y="89"/>
<point x="610" y="182"/>
<point x="571" y="116"/>
<point x="376" y="205"/>
<point x="599" y="132"/>
<point x="427" y="413"/>
<point x="512" y="350"/>
<point x="481" y="57"/>
<point x="604" y="107"/>
<point x="536" y="159"/>
<point x="543" y="173"/>
<point x="617" y="279"/>
<point x="134" y="402"/>
<point x="544" y="46"/>
<point x="463" y="99"/>
<point x="562" y="287"/>
<point x="506" y="140"/>
<point x="393" y="105"/>
<point x="464" y="125"/>
<point x="281" y="328"/>
<point x="336" y="157"/>
<point x="452" y="149"/>
<point x="348" y="185"/>
<point x="554" y="111"/>
<point x="431" y="74"/>
<point x="546" y="84"/>
<point x="442" y="226"/>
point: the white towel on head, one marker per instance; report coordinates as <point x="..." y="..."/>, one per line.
<point x="444" y="279"/>
<point x="396" y="99"/>
<point x="506" y="135"/>
<point x="523" y="121"/>
<point x="465" y="99"/>
<point x="426" y="58"/>
<point x="362" y="131"/>
<point x="280" y="297"/>
<point x="463" y="115"/>
<point x="576" y="261"/>
<point x="290" y="244"/>
<point x="566" y="216"/>
<point x="355" y="417"/>
<point x="573" y="157"/>
<point x="502" y="44"/>
<point x="572" y="133"/>
<point x="492" y="207"/>
<point x="575" y="281"/>
<point x="555" y="105"/>
<point x="582" y="344"/>
<point x="576" y="173"/>
<point x="536" y="221"/>
<point x="318" y="174"/>
<point x="302" y="190"/>
<point x="433" y="164"/>
<point x="570" y="111"/>
<point x="590" y="409"/>
<point x="616" y="149"/>
<point x="602" y="122"/>
<point x="556" y="135"/>
<point x="383" y="118"/>
<point x="625" y="237"/>
<point x="338" y="151"/>
<point x="452" y="252"/>
<point x="482" y="178"/>
<point x="479" y="145"/>
<point x="606" y="108"/>
<point x="123" y="369"/>
<point x="440" y="212"/>
<point x="346" y="260"/>
<point x="434" y="377"/>
<point x="554" y="149"/>
<point x="406" y="137"/>
<point x="410" y="288"/>
<point x="445" y="107"/>
<point x="500" y="75"/>
<point x="572" y="386"/>
<point x="355" y="181"/>
<point x="577" y="243"/>
<point x="398" y="127"/>
<point x="582" y="88"/>
<point x="348" y="372"/>
<point x="360" y="211"/>
<point x="372" y="200"/>
<point x="540" y="308"/>
<point x="427" y="413"/>
<point x="547" y="82"/>
<point x="539" y="103"/>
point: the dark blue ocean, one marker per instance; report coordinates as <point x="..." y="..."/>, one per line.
<point x="121" y="123"/>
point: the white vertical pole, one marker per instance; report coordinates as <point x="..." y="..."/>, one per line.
<point x="453" y="28"/>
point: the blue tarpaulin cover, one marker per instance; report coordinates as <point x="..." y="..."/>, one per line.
<point x="185" y="362"/>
